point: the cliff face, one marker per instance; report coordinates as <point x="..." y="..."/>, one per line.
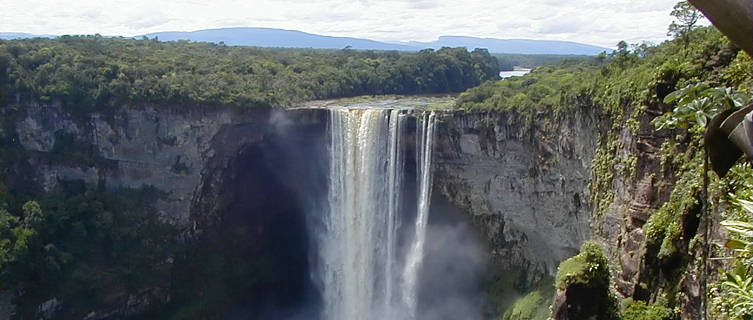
<point x="171" y="149"/>
<point x="525" y="187"/>
<point x="646" y="177"/>
<point x="190" y="154"/>
<point x="637" y="194"/>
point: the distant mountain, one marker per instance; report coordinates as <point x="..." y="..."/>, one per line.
<point x="265" y="37"/>
<point x="21" y="35"/>
<point x="521" y="46"/>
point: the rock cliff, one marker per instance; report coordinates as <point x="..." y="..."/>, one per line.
<point x="171" y="149"/>
<point x="524" y="185"/>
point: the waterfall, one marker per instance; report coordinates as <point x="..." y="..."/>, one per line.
<point x="416" y="253"/>
<point x="395" y="167"/>
<point x="369" y="258"/>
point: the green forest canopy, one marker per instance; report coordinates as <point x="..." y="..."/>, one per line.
<point x="624" y="74"/>
<point x="94" y="72"/>
<point x="507" y="61"/>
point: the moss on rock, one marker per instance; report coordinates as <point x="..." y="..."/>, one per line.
<point x="639" y="310"/>
<point x="583" y="290"/>
<point x="534" y="305"/>
<point x="589" y="268"/>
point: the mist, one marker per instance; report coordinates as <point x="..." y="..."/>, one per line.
<point x="296" y="158"/>
<point x="454" y="266"/>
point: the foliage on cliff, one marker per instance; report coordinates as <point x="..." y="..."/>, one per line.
<point x="639" y="310"/>
<point x="588" y="268"/>
<point x="620" y="88"/>
<point x="545" y="88"/>
<point x="623" y="79"/>
<point x="534" y="304"/>
<point x="584" y="279"/>
<point x="94" y="72"/>
<point x="679" y="84"/>
<point x="84" y="247"/>
<point x="733" y="292"/>
<point x="507" y="61"/>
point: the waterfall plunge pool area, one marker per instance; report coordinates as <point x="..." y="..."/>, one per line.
<point x="339" y="220"/>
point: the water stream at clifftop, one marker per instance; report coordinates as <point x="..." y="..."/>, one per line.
<point x="371" y="245"/>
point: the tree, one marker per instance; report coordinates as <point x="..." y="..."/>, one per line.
<point x="32" y="214"/>
<point x="686" y="16"/>
<point x="622" y="48"/>
<point x="602" y="56"/>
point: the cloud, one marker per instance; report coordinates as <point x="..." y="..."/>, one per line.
<point x="423" y="4"/>
<point x="600" y="22"/>
<point x="148" y="21"/>
<point x="558" y="26"/>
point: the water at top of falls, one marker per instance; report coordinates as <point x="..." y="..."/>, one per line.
<point x="371" y="246"/>
<point x="409" y="103"/>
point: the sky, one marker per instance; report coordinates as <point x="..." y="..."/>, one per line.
<point x="597" y="22"/>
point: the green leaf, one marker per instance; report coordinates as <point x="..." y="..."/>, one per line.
<point x="743" y="228"/>
<point x="747" y="205"/>
<point x="735" y="244"/>
<point x="700" y="118"/>
<point x="673" y="96"/>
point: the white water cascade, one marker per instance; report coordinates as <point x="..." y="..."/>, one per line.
<point x="371" y="245"/>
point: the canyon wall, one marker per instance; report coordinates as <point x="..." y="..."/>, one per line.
<point x="172" y="149"/>
<point x="525" y="186"/>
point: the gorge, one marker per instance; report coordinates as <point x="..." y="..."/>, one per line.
<point x="260" y="178"/>
<point x="222" y="184"/>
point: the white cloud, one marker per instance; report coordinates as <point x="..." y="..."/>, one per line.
<point x="600" y="22"/>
